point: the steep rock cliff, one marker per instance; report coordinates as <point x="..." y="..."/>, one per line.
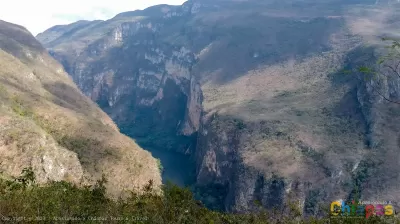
<point x="140" y="79"/>
<point x="279" y="120"/>
<point x="293" y="126"/>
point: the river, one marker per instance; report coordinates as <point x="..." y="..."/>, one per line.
<point x="178" y="168"/>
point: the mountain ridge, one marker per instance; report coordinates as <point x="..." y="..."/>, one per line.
<point x="49" y="125"/>
<point x="253" y="91"/>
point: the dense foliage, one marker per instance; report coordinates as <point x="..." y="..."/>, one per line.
<point x="22" y="200"/>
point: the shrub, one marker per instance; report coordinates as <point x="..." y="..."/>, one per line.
<point x="58" y="202"/>
<point x="18" y="107"/>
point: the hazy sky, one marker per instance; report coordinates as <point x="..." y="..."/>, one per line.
<point x="39" y="15"/>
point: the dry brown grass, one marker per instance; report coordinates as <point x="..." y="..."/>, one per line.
<point x="44" y="113"/>
<point x="322" y="131"/>
<point x="296" y="93"/>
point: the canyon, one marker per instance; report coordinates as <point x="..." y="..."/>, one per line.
<point x="251" y="93"/>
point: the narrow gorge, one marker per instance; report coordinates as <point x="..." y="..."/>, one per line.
<point x="246" y="101"/>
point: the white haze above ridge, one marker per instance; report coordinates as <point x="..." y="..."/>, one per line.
<point x="40" y="15"/>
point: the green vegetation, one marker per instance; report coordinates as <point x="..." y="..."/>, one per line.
<point x="18" y="107"/>
<point x="311" y="202"/>
<point x="211" y="195"/>
<point x="239" y="124"/>
<point x="3" y="90"/>
<point x="21" y="199"/>
<point x="160" y="166"/>
<point x="386" y="69"/>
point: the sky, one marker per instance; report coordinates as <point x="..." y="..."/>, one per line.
<point x="39" y="15"/>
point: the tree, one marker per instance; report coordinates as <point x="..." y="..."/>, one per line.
<point x="386" y="70"/>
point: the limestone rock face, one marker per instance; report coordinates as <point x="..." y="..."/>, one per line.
<point x="252" y="90"/>
<point x="143" y="83"/>
<point x="38" y="150"/>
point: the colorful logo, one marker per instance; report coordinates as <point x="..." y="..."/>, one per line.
<point x="364" y="209"/>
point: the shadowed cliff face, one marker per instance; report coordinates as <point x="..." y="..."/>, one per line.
<point x="48" y="124"/>
<point x="142" y="82"/>
<point x="252" y="90"/>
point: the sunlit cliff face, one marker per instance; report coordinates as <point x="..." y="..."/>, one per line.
<point x="48" y="124"/>
<point x="253" y="90"/>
